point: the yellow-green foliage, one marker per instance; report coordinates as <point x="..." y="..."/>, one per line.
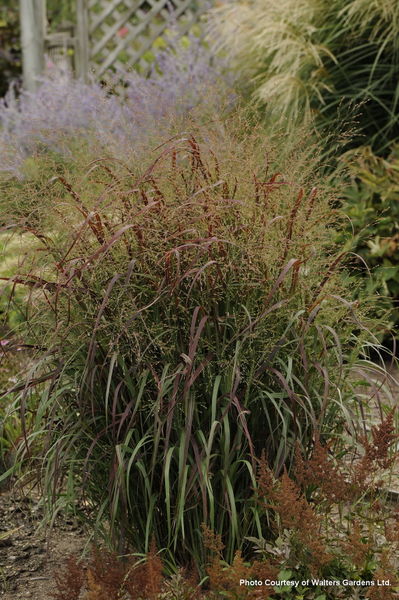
<point x="302" y="59"/>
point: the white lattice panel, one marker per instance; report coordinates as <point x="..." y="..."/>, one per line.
<point x="124" y="33"/>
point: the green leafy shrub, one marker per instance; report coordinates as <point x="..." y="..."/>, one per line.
<point x="10" y="50"/>
<point x="187" y="313"/>
<point x="372" y="203"/>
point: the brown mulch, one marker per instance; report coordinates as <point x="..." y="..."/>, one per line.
<point x="28" y="556"/>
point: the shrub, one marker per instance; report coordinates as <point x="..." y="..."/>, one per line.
<point x="119" y="118"/>
<point x="10" y="59"/>
<point x="371" y="202"/>
<point x="187" y="313"/>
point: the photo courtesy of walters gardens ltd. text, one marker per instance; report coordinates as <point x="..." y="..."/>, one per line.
<point x="199" y="300"/>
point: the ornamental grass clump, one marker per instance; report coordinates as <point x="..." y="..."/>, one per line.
<point x="313" y="60"/>
<point x="186" y="314"/>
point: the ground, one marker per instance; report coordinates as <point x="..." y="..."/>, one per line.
<point x="28" y="556"/>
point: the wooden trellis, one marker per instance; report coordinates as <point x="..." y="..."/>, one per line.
<point x="121" y="33"/>
<point x="108" y="34"/>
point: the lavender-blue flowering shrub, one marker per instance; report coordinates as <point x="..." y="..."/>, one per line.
<point x="185" y="78"/>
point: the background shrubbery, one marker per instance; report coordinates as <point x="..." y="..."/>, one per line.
<point x="371" y="203"/>
<point x="10" y="54"/>
<point x="184" y="79"/>
<point x="10" y="43"/>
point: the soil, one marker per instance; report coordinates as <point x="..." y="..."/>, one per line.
<point x="30" y="556"/>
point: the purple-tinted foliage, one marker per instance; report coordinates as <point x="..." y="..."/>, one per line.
<point x="184" y="78"/>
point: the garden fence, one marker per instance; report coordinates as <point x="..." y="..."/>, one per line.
<point x="106" y="34"/>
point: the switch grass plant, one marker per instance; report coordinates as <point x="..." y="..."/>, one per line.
<point x="188" y="313"/>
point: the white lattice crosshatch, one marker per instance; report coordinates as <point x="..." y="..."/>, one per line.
<point x="106" y="34"/>
<point x="122" y="33"/>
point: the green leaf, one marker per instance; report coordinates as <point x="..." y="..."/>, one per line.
<point x="285" y="574"/>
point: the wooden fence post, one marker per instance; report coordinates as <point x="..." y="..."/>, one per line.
<point x="82" y="40"/>
<point x="32" y="17"/>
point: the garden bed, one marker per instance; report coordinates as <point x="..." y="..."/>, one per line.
<point x="29" y="557"/>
